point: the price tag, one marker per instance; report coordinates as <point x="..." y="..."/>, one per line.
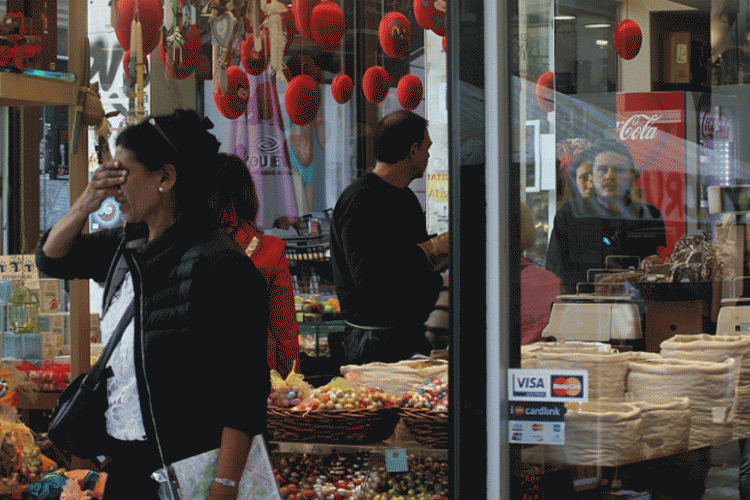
<point x="396" y="460"/>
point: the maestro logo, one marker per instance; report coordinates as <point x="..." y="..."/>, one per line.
<point x="567" y="387"/>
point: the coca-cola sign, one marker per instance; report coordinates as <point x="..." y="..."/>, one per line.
<point x="715" y="127"/>
<point x="638" y="127"/>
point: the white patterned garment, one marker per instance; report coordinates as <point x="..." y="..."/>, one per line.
<point x="124" y="417"/>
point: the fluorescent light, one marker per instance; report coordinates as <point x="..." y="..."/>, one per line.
<point x="602" y="43"/>
<point x="598" y="25"/>
<point x="565" y="18"/>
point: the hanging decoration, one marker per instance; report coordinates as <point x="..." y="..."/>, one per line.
<point x="445" y="44"/>
<point x="225" y="29"/>
<point x="375" y="84"/>
<point x="302" y="99"/>
<point x="327" y="24"/>
<point x="254" y="62"/>
<point x="394" y="34"/>
<point x="429" y="17"/>
<point x="254" y="50"/>
<point x="136" y="92"/>
<point x="232" y="101"/>
<point x="545" y="87"/>
<point x="151" y="17"/>
<point x="179" y="52"/>
<point x="409" y="91"/>
<point x="628" y="39"/>
<point x="342" y="88"/>
<point x="440" y="8"/>
<point x="628" y="36"/>
<point x="302" y="10"/>
<point x="278" y="39"/>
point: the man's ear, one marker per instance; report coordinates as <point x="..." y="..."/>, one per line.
<point x="414" y="148"/>
<point x="168" y="177"/>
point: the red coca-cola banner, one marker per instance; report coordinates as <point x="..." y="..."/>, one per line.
<point x="652" y="124"/>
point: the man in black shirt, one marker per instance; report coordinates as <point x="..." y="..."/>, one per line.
<point x="386" y="267"/>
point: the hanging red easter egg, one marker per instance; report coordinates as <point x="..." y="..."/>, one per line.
<point x="255" y="62"/>
<point x="302" y="63"/>
<point x="438" y="25"/>
<point x="445" y="44"/>
<point x="545" y="87"/>
<point x="394" y="34"/>
<point x="628" y="39"/>
<point x="302" y="10"/>
<point x="287" y="22"/>
<point x="327" y="24"/>
<point x="185" y="60"/>
<point x="409" y="91"/>
<point x="151" y="15"/>
<point x="302" y="99"/>
<point x="232" y="102"/>
<point x="126" y="65"/>
<point x="427" y="15"/>
<point x="342" y="88"/>
<point x="375" y="84"/>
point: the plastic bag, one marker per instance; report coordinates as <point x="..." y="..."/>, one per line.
<point x="289" y="391"/>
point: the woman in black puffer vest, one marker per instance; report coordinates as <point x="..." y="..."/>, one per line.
<point x="191" y="367"/>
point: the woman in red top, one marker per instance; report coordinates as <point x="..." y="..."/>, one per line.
<point x="237" y="204"/>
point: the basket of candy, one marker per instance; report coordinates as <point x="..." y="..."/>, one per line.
<point x="340" y="412"/>
<point x="50" y="377"/>
<point x="424" y="411"/>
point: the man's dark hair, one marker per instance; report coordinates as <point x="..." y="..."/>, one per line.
<point x="395" y="135"/>
<point x="603" y="146"/>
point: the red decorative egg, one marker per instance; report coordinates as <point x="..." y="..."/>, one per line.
<point x="375" y="84"/>
<point x="287" y="21"/>
<point x="126" y="66"/>
<point x="409" y="91"/>
<point x="427" y="15"/>
<point x="302" y="10"/>
<point x="232" y="102"/>
<point x="185" y="59"/>
<point x="394" y="34"/>
<point x="342" y="88"/>
<point x="255" y="62"/>
<point x="628" y="39"/>
<point x="327" y="24"/>
<point x="438" y="25"/>
<point x="151" y="15"/>
<point x="302" y="99"/>
<point x="445" y="44"/>
<point x="545" y="87"/>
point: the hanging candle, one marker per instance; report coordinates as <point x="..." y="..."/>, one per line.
<point x="628" y="39"/>
<point x="130" y="72"/>
<point x="302" y="99"/>
<point x="394" y="34"/>
<point x="544" y="91"/>
<point x="255" y="61"/>
<point x="151" y="15"/>
<point x="302" y="10"/>
<point x="327" y="24"/>
<point x="342" y="88"/>
<point x="183" y="60"/>
<point x="409" y="91"/>
<point x="375" y="84"/>
<point x="232" y="102"/>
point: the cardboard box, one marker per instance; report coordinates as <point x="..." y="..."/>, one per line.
<point x="49" y="295"/>
<point x="95" y="329"/>
<point x="57" y="323"/>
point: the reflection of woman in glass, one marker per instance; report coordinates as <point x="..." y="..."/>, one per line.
<point x="608" y="222"/>
<point x="305" y="154"/>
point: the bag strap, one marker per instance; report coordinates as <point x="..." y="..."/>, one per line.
<point x="101" y="363"/>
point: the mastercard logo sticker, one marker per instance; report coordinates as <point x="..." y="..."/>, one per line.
<point x="567" y="386"/>
<point x="537" y="427"/>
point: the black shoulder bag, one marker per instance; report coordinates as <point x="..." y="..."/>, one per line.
<point x="78" y="424"/>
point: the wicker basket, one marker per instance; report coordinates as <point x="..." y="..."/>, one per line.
<point x="333" y="426"/>
<point x="428" y="427"/>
